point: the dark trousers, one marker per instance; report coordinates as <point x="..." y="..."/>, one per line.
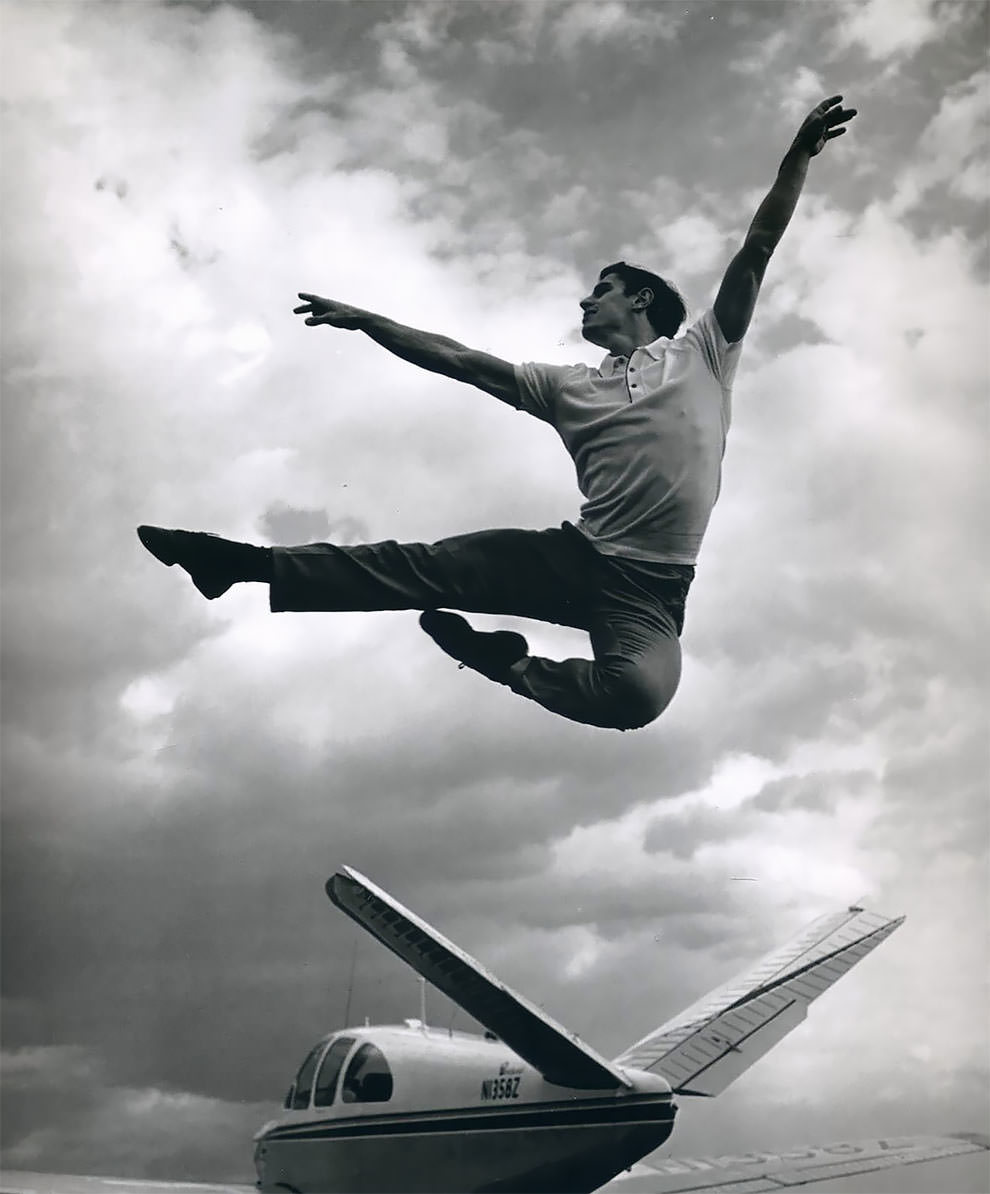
<point x="633" y="610"/>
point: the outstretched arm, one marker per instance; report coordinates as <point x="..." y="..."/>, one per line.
<point x="439" y="354"/>
<point x="741" y="284"/>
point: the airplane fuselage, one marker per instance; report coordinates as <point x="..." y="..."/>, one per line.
<point x="462" y="1113"/>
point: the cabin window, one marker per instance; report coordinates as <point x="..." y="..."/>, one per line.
<point x="368" y="1078"/>
<point x="304" y="1079"/>
<point x="326" y="1082"/>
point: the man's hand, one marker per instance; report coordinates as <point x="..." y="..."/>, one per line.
<point x="330" y="312"/>
<point x="438" y="354"/>
<point x="741" y="284"/>
<point x="821" y="125"/>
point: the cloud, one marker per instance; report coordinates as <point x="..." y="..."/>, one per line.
<point x="889" y="28"/>
<point x="65" y="1089"/>
<point x="952" y="148"/>
<point x="812" y="793"/>
<point x="537" y="29"/>
<point x="692" y="244"/>
<point x="629" y="24"/>
<point x="282" y="523"/>
<point x="804" y="89"/>
<point x="760" y="54"/>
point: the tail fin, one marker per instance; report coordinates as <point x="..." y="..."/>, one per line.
<point x="560" y="1056"/>
<point x="706" y="1047"/>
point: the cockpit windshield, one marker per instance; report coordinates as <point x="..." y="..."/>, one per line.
<point x="368" y="1078"/>
<point x="299" y="1092"/>
<point x="326" y="1083"/>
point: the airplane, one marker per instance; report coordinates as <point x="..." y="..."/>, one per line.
<point x="528" y="1107"/>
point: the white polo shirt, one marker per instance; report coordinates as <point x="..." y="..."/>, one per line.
<point x="647" y="436"/>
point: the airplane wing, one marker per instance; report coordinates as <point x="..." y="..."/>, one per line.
<point x="14" y="1182"/>
<point x="706" y="1047"/>
<point x="752" y="1173"/>
<point x="560" y="1056"/>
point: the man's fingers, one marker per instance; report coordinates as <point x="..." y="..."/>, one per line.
<point x="834" y="133"/>
<point x="302" y="310"/>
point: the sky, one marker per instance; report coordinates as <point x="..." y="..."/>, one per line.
<point x="180" y="777"/>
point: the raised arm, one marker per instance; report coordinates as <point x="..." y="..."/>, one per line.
<point x="737" y="295"/>
<point x="439" y="354"/>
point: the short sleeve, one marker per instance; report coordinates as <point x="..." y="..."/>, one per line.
<point x="721" y="357"/>
<point x="539" y="386"/>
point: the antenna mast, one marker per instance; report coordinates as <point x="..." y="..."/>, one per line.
<point x="350" y="984"/>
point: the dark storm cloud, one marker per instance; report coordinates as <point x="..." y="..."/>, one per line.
<point x="939" y="788"/>
<point x="67" y="1091"/>
<point x="683" y="835"/>
<point x="181" y="904"/>
<point x="228" y="838"/>
<point x="284" y="524"/>
<point x="810" y="792"/>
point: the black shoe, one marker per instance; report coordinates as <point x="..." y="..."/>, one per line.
<point x="491" y="653"/>
<point x="214" y="564"/>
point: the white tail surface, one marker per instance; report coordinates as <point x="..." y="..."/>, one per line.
<point x="560" y="1056"/>
<point x="706" y="1047"/>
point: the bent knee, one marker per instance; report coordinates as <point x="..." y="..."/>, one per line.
<point x="634" y="699"/>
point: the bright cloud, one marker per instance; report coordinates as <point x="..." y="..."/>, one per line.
<point x="601" y="22"/>
<point x="886" y="28"/>
<point x="952" y="148"/>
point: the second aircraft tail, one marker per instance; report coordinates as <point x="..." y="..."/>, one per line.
<point x="706" y="1047"/>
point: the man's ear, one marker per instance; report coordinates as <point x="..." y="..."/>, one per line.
<point x="643" y="299"/>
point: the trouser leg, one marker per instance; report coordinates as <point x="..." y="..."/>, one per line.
<point x="552" y="576"/>
<point x="631" y="680"/>
<point x="531" y="574"/>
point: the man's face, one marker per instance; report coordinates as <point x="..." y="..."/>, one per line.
<point x="607" y="310"/>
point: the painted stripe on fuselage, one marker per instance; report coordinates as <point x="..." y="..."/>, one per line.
<point x="588" y="1113"/>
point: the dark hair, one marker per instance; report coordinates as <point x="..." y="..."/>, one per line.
<point x="667" y="311"/>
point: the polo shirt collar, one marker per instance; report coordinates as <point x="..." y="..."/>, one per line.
<point x="655" y="349"/>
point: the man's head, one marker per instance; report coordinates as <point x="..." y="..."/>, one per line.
<point x="627" y="298"/>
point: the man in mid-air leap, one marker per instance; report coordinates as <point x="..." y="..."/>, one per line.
<point x="646" y="431"/>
